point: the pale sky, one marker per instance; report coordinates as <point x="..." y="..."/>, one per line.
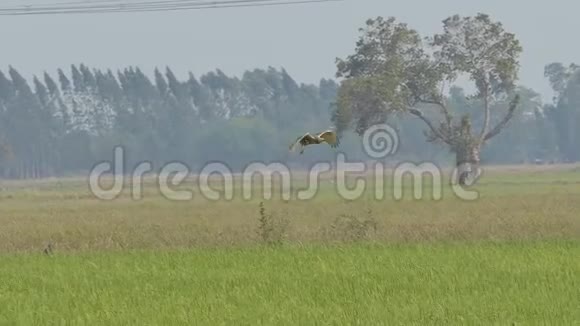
<point x="304" y="39"/>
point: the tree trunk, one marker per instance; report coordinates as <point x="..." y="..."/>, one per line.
<point x="467" y="162"/>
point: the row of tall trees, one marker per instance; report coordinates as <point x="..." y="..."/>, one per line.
<point x="68" y="123"/>
<point x="64" y="124"/>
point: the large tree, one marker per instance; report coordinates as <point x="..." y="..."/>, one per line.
<point x="394" y="69"/>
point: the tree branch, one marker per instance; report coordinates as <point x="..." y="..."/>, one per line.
<point x="511" y="110"/>
<point x="414" y="98"/>
<point x="436" y="132"/>
<point x="487" y="115"/>
<point x="444" y="110"/>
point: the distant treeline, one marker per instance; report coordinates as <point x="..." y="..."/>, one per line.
<point x="65" y="124"/>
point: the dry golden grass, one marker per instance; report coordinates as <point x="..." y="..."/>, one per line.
<point x="533" y="204"/>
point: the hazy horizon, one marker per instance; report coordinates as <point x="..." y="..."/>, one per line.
<point x="304" y="39"/>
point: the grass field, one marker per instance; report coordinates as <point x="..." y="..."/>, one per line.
<point x="510" y="257"/>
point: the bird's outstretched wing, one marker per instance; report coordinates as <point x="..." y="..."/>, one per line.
<point x="330" y="137"/>
<point x="303" y="141"/>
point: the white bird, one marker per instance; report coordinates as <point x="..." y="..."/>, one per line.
<point x="328" y="136"/>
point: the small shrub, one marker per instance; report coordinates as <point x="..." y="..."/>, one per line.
<point x="349" y="228"/>
<point x="270" y="230"/>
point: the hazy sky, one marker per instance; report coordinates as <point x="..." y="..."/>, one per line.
<point x="304" y="39"/>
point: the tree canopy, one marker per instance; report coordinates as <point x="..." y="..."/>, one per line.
<point x="395" y="70"/>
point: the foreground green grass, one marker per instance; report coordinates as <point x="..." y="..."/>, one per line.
<point x="444" y="284"/>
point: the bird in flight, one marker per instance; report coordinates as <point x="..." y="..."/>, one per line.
<point x="328" y="137"/>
